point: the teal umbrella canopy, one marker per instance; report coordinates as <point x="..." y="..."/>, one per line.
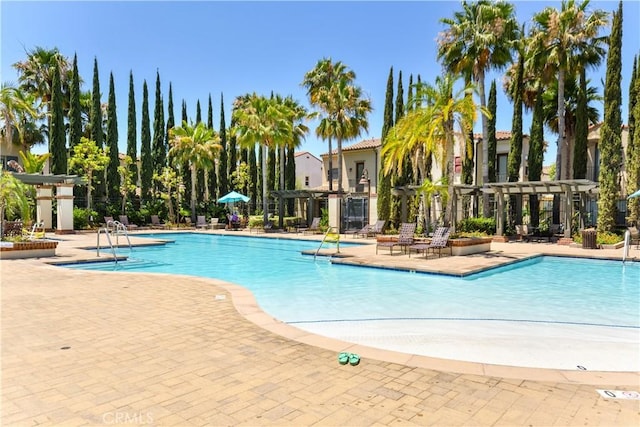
<point x="634" y="195"/>
<point x="233" y="197"/>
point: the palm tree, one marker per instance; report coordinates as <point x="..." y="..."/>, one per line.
<point x="297" y="113"/>
<point x="479" y="38"/>
<point x="35" y="74"/>
<point x="196" y="146"/>
<point x="319" y="82"/>
<point x="265" y="121"/>
<point x="561" y="39"/>
<point x="430" y="128"/>
<point x="16" y="108"/>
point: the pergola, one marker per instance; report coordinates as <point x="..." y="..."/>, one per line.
<point x="568" y="188"/>
<point x="563" y="187"/>
<point x="311" y="195"/>
<point x="44" y="195"/>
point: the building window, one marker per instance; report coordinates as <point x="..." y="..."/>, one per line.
<point x="334" y="173"/>
<point x="457" y="164"/>
<point x="306" y="181"/>
<point x="501" y="172"/>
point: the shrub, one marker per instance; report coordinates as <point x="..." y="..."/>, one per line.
<point x="486" y="226"/>
<point x="602" y="238"/>
<point x="82" y="218"/>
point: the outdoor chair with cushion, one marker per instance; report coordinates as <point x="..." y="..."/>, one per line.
<point x="125" y="221"/>
<point x="313" y="228"/>
<point x="405" y="238"/>
<point x="155" y="222"/>
<point x="439" y="241"/>
<point x="201" y="222"/>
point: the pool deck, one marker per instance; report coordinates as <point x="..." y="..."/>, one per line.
<point x="94" y="348"/>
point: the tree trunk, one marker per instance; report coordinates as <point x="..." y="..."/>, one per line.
<point x="206" y="185"/>
<point x="485" y="144"/>
<point x="281" y="199"/>
<point x="265" y="202"/>
<point x="89" y="180"/>
<point x="561" y="143"/>
<point x="339" y="146"/>
<point x="330" y="172"/>
<point x="194" y="179"/>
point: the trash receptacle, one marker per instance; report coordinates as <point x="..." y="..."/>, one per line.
<point x="589" y="239"/>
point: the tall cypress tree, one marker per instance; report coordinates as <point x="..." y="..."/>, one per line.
<point x="233" y="152"/>
<point x="171" y="121"/>
<point x="259" y="182"/>
<point x="515" y="149"/>
<point x="146" y="173"/>
<point x="75" y="109"/>
<point x="271" y="169"/>
<point x="213" y="177"/>
<point x="184" y="117"/>
<point x="96" y="108"/>
<point x="223" y="169"/>
<point x="611" y="130"/>
<point x="410" y="100"/>
<point x="253" y="177"/>
<point x="198" y="112"/>
<point x="582" y="130"/>
<point x="159" y="149"/>
<point x="290" y="178"/>
<point x="536" y="154"/>
<point x="399" y="99"/>
<point x="384" y="180"/>
<point x="633" y="145"/>
<point x="113" y="177"/>
<point x="57" y="137"/>
<point x="97" y="132"/>
<point x="492" y="143"/>
<point x="132" y="137"/>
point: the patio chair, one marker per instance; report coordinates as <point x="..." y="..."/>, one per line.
<point x="35" y="233"/>
<point x="405" y="238"/>
<point x="313" y="228"/>
<point x="375" y="229"/>
<point x="527" y="234"/>
<point x="125" y="221"/>
<point x="155" y="222"/>
<point x="215" y="222"/>
<point x="439" y="241"/>
<point x="201" y="222"/>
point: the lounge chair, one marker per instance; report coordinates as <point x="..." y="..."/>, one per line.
<point x="108" y="221"/>
<point x="439" y="241"/>
<point x="201" y="222"/>
<point x="313" y="228"/>
<point x="375" y="229"/>
<point x="155" y="222"/>
<point x="125" y="221"/>
<point x="405" y="238"/>
<point x="635" y="237"/>
<point x="524" y="232"/>
<point x="35" y="233"/>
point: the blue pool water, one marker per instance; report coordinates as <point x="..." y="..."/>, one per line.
<point x="297" y="289"/>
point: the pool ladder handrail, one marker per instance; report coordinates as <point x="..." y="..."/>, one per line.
<point x="625" y="247"/>
<point x="335" y="238"/>
<point x="117" y="228"/>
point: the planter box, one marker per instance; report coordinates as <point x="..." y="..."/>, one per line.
<point x="19" y="250"/>
<point x="470" y="245"/>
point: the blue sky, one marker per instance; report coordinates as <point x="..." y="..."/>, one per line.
<point x="232" y="48"/>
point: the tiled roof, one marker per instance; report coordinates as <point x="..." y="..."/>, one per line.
<point x="366" y="144"/>
<point x="501" y="135"/>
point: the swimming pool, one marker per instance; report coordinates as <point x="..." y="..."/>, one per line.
<point x="525" y="314"/>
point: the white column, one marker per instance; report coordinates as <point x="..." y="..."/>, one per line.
<point x="44" y="196"/>
<point x="334" y="209"/>
<point x="64" y="197"/>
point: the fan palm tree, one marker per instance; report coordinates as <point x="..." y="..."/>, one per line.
<point x="479" y="38"/>
<point x="319" y="81"/>
<point x="16" y="108"/>
<point x="431" y="127"/>
<point x="196" y="146"/>
<point x="297" y="113"/>
<point x="561" y="39"/>
<point x="35" y="75"/>
<point x="265" y="121"/>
